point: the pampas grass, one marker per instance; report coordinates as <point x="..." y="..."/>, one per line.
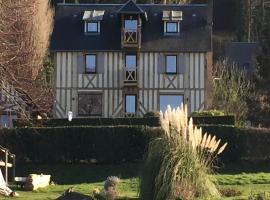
<point x="180" y="160"/>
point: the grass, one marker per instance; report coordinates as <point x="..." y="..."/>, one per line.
<point x="85" y="178"/>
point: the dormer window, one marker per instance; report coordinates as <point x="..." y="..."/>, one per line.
<point x="93" y="27"/>
<point x="172" y="21"/>
<point x="92" y="20"/>
<point x="171" y="27"/>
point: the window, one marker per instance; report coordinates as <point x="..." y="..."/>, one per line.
<point x="90" y="104"/>
<point x="4" y="121"/>
<point x="131" y="24"/>
<point x="171" y="27"/>
<point x="90" y="63"/>
<point x="131" y="61"/>
<point x="173" y="100"/>
<point x="171" y="64"/>
<point x="130" y="104"/>
<point x="92" y="27"/>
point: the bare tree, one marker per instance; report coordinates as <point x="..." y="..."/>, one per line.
<point x="25" y="29"/>
<point x="231" y="90"/>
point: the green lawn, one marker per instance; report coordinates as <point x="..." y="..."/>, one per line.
<point x="84" y="179"/>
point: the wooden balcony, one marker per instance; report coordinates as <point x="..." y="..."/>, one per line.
<point x="130" y="77"/>
<point x="131" y="38"/>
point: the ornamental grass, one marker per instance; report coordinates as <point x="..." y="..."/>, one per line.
<point x="179" y="162"/>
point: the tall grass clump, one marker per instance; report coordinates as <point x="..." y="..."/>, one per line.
<point x="179" y="162"/>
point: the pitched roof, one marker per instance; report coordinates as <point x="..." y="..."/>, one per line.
<point x="68" y="34"/>
<point x="130" y="7"/>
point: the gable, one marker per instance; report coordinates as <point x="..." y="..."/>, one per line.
<point x="130" y="7"/>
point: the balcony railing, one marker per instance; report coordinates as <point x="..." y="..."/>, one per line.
<point x="130" y="76"/>
<point x="130" y="36"/>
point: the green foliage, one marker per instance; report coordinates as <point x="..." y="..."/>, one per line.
<point x="78" y="144"/>
<point x="152" y="114"/>
<point x="178" y="163"/>
<point x="147" y="121"/>
<point x="215" y="120"/>
<point x="232" y="89"/>
<point x="207" y="113"/>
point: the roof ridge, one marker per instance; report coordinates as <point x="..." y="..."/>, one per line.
<point x="118" y="4"/>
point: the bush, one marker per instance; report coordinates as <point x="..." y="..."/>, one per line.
<point x="78" y="144"/>
<point x="179" y="162"/>
<point x="207" y="113"/>
<point x="214" y="120"/>
<point x="152" y="114"/>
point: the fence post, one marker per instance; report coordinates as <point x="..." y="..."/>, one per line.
<point x="6" y="166"/>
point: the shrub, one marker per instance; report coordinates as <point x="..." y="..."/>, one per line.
<point x="152" y="114"/>
<point x="182" y="157"/>
<point x="78" y="144"/>
<point x="214" y="120"/>
<point x="207" y="113"/>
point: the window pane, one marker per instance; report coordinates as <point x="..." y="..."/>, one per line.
<point x="171" y="64"/>
<point x="173" y="100"/>
<point x="90" y="104"/>
<point x="90" y="63"/>
<point x="130" y="103"/>
<point x="131" y="24"/>
<point x="5" y="121"/>
<point x="131" y="61"/>
<point x="171" y="27"/>
<point x="92" y="27"/>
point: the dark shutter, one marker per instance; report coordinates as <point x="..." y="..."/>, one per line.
<point x="181" y="64"/>
<point x="80" y="63"/>
<point x="161" y="63"/>
<point x="100" y="63"/>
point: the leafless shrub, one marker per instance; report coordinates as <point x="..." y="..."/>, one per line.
<point x="25" y="29"/>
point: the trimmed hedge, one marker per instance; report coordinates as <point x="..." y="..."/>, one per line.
<point x="216" y="120"/>
<point x="150" y="120"/>
<point x="244" y="144"/>
<point x="145" y="121"/>
<point x="120" y="144"/>
<point x="227" y="134"/>
<point x="78" y="144"/>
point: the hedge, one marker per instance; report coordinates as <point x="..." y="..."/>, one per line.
<point x="120" y="144"/>
<point x="149" y="121"/>
<point x="217" y="120"/>
<point x="78" y="144"/>
<point x="145" y="121"/>
<point x="244" y="144"/>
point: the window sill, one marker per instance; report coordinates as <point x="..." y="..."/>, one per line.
<point x="92" y="33"/>
<point x="172" y="34"/>
<point x="171" y="73"/>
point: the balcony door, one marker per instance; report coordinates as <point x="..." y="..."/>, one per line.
<point x="130" y="68"/>
<point x="131" y="24"/>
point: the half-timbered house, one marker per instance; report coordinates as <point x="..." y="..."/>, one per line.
<point x="115" y="60"/>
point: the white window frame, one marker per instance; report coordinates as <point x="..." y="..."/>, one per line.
<point x="126" y="95"/>
<point x="172" y="33"/>
<point x="85" y="58"/>
<point x="91" y="32"/>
